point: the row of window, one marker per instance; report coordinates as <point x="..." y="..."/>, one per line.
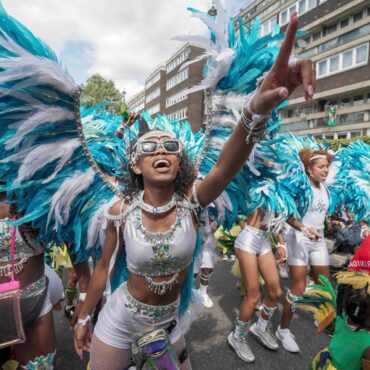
<point x="178" y="78"/>
<point x="178" y="60"/>
<point x="153" y="80"/>
<point x="154" y="109"/>
<point x="353" y="18"/>
<point x="152" y="95"/>
<point x="343" y="61"/>
<point x="174" y="99"/>
<point x="137" y="108"/>
<point x="337" y="41"/>
<point x="180" y="114"/>
<point x="324" y="105"/>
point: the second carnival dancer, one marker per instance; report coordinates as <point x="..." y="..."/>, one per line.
<point x="305" y="240"/>
<point x="157" y="226"/>
<point x="253" y="249"/>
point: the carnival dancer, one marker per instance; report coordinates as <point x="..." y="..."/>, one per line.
<point x="253" y="249"/>
<point x="157" y="226"/>
<point x="305" y="241"/>
<point x="58" y="174"/>
<point x="38" y="347"/>
<point x="205" y="261"/>
<point x="347" y="310"/>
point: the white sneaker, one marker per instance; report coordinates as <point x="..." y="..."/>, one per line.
<point x="233" y="257"/>
<point x="265" y="337"/>
<point x="225" y="258"/>
<point x="287" y="339"/>
<point x="259" y="305"/>
<point x="283" y="272"/>
<point x="206" y="301"/>
<point x="241" y="348"/>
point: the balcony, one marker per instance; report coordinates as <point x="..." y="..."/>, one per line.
<point x="345" y="116"/>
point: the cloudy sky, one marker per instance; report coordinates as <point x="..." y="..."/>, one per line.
<point x="124" y="40"/>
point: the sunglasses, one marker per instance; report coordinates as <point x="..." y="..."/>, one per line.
<point x="151" y="146"/>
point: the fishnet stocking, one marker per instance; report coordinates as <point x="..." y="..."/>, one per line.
<point x="105" y="357"/>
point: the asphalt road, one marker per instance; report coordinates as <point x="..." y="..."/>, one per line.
<point x="207" y="338"/>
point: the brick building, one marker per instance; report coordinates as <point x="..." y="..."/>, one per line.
<point x="164" y="85"/>
<point x="337" y="40"/>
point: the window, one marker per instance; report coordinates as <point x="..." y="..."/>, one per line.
<point x="180" y="114"/>
<point x="316" y="36"/>
<point x="334" y="64"/>
<point x="345" y="103"/>
<point x="178" y="60"/>
<point x="306" y="5"/>
<point x="330" y="29"/>
<point x="355" y="133"/>
<point x="154" y="109"/>
<point x="358" y="100"/>
<point x="323" y="66"/>
<point x="347" y="59"/>
<point x="152" y="95"/>
<point x="178" y="78"/>
<point x="172" y="100"/>
<point x="342" y="135"/>
<point x="285" y="15"/>
<point x="344" y="23"/>
<point x="357" y="17"/>
<point x="153" y="80"/>
<point x="268" y="26"/>
<point x="361" y="54"/>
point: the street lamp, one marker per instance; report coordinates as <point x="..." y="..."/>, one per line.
<point x="124" y="96"/>
<point x="213" y="11"/>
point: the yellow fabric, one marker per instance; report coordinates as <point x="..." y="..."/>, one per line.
<point x="60" y="257"/>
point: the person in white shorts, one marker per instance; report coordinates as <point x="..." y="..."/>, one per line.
<point x="253" y="249"/>
<point x="206" y="262"/>
<point x="305" y="241"/>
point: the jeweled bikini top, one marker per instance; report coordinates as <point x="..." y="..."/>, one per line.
<point x="24" y="249"/>
<point x="164" y="253"/>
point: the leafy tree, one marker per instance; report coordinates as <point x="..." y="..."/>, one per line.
<point x="99" y="90"/>
<point x="335" y="144"/>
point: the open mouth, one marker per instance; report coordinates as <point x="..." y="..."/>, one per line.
<point x="161" y="164"/>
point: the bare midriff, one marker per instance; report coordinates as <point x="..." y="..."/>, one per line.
<point x="256" y="218"/>
<point x="139" y="288"/>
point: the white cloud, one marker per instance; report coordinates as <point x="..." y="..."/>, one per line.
<point x="128" y="39"/>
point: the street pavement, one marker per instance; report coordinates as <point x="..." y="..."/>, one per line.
<point x="207" y="338"/>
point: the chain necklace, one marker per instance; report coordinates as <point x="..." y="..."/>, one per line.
<point x="157" y="210"/>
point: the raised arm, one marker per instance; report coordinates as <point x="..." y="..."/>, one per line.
<point x="285" y="76"/>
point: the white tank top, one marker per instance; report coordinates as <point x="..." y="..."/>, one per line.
<point x="315" y="215"/>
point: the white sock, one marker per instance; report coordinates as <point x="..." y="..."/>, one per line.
<point x="262" y="324"/>
<point x="241" y="329"/>
<point x="203" y="289"/>
<point x="287" y="330"/>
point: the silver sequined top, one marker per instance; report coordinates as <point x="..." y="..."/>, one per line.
<point x="23" y="251"/>
<point x="159" y="254"/>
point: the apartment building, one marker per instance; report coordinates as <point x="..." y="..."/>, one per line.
<point x="337" y="40"/>
<point x="164" y="87"/>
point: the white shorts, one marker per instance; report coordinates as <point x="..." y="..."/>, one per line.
<point x="253" y="240"/>
<point x="303" y="252"/>
<point x="206" y="259"/>
<point x="123" y="319"/>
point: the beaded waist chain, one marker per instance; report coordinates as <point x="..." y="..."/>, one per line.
<point x="157" y="313"/>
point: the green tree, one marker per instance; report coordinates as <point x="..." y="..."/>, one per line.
<point x="99" y="90"/>
<point x="335" y="144"/>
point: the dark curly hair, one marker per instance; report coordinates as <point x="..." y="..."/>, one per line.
<point x="356" y="304"/>
<point x="134" y="183"/>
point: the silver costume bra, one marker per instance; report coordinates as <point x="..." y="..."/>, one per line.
<point x="160" y="254"/>
<point x="25" y="248"/>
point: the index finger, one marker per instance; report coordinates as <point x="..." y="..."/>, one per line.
<point x="288" y="43"/>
